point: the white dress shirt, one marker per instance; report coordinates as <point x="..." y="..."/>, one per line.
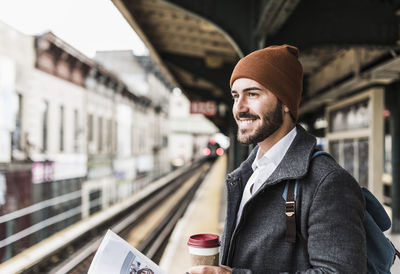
<point x="263" y="167"/>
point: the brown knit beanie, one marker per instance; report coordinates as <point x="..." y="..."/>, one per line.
<point x="278" y="69"/>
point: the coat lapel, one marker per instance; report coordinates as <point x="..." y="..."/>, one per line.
<point x="295" y="163"/>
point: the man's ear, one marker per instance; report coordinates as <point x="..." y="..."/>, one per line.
<point x="285" y="109"/>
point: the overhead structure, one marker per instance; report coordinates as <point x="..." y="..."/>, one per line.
<point x="197" y="43"/>
<point x="197" y="54"/>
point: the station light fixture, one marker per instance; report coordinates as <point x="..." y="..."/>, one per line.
<point x="206" y="151"/>
<point x="220" y="151"/>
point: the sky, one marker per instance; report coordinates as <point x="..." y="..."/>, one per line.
<point x="87" y="25"/>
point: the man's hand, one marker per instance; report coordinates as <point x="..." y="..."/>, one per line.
<point x="206" y="269"/>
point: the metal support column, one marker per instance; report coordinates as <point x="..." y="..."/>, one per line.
<point x="240" y="153"/>
<point x="393" y="103"/>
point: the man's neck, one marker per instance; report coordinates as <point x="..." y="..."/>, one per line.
<point x="274" y="138"/>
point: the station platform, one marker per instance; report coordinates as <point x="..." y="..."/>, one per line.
<point x="204" y="215"/>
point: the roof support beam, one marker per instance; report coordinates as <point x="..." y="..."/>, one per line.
<point x="196" y="66"/>
<point x="273" y="16"/>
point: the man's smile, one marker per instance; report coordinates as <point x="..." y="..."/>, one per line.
<point x="246" y="119"/>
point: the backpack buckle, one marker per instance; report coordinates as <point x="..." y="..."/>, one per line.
<point x="290" y="208"/>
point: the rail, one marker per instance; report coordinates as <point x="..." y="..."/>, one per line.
<point x="65" y="252"/>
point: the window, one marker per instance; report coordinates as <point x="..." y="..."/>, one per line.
<point x="61" y="128"/>
<point x="133" y="141"/>
<point x="165" y="141"/>
<point x="16" y="135"/>
<point x="76" y="130"/>
<point x="142" y="141"/>
<point x="100" y="139"/>
<point x="115" y="136"/>
<point x="109" y="135"/>
<point x="355" y="139"/>
<point x="90" y="128"/>
<point x="45" y="121"/>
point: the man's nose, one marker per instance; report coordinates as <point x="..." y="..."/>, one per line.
<point x="241" y="104"/>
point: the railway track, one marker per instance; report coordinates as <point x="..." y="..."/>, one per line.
<point x="146" y="224"/>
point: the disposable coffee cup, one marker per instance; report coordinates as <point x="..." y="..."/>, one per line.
<point x="204" y="249"/>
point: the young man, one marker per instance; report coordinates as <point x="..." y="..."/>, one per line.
<point x="329" y="209"/>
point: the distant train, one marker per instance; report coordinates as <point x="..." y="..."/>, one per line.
<point x="213" y="149"/>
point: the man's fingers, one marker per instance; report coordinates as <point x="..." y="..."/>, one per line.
<point x="200" y="269"/>
<point x="204" y="269"/>
<point x="227" y="268"/>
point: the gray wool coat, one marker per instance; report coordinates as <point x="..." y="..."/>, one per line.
<point x="329" y="216"/>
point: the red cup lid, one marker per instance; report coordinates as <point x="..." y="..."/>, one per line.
<point x="203" y="240"/>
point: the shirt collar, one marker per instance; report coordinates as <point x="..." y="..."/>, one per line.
<point x="276" y="152"/>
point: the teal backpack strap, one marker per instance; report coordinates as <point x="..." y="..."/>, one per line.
<point x="289" y="195"/>
<point x="380" y="251"/>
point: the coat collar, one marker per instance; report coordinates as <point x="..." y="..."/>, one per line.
<point x="294" y="164"/>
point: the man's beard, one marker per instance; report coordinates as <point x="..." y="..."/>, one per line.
<point x="271" y="122"/>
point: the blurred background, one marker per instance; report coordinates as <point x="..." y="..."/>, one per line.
<point x="87" y="117"/>
<point x="100" y="99"/>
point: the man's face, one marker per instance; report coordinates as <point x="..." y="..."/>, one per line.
<point x="256" y="110"/>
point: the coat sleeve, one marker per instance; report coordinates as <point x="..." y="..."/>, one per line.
<point x="336" y="236"/>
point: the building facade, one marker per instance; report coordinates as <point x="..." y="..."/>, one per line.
<point x="75" y="137"/>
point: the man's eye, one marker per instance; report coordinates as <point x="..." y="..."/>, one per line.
<point x="252" y="94"/>
<point x="235" y="96"/>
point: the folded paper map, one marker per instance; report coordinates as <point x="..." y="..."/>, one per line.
<point x="115" y="255"/>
